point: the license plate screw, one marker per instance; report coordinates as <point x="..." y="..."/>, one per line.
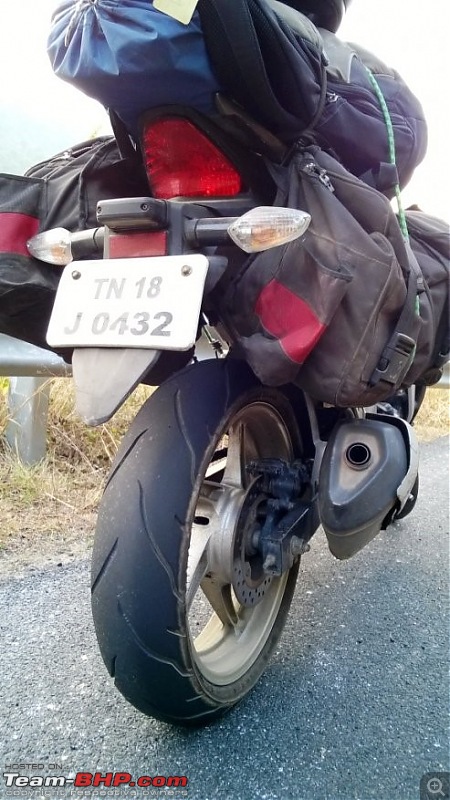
<point x="185" y="271"/>
<point x="76" y="275"/>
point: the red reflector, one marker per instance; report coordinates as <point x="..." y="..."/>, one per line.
<point x="134" y="245"/>
<point x="290" y="320"/>
<point x="182" y="162"/>
<point x="15" y="230"/>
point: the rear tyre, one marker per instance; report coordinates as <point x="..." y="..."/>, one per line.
<point x="173" y="550"/>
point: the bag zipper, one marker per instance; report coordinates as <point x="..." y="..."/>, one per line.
<point x="66" y="156"/>
<point x="313" y="169"/>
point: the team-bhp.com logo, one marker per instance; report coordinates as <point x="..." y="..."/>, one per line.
<point x="84" y="780"/>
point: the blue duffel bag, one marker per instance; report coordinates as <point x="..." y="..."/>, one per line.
<point x="130" y="57"/>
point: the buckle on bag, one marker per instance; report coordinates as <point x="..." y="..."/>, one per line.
<point x="395" y="360"/>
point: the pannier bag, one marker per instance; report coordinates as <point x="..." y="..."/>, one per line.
<point x="296" y="80"/>
<point x="130" y="56"/>
<point x="62" y="191"/>
<point x="78" y="177"/>
<point x="430" y="242"/>
<point x="336" y="312"/>
<point x="27" y="286"/>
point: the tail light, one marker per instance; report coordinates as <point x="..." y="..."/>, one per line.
<point x="182" y="162"/>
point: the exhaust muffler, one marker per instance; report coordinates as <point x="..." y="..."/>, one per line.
<point x="365" y="464"/>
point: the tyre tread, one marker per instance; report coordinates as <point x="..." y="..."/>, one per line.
<point x="144" y="648"/>
<point x="106" y="562"/>
<point x="157" y="551"/>
<point x="122" y="457"/>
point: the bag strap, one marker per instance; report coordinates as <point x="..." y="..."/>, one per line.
<point x="391" y="146"/>
<point x="233" y="47"/>
<point x="400" y="350"/>
<point x="122" y="137"/>
<point x="232" y="44"/>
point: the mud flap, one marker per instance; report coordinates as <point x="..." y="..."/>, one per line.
<point x="105" y="377"/>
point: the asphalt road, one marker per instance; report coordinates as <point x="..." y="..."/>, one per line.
<point x="354" y="704"/>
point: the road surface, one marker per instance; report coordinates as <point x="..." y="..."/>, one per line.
<point x="353" y="706"/>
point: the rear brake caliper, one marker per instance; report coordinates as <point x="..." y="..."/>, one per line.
<point x="284" y="523"/>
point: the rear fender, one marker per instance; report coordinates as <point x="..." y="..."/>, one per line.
<point x="105" y="377"/>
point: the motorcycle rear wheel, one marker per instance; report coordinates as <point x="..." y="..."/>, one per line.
<point x="172" y="527"/>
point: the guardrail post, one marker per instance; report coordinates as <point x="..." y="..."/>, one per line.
<point x="26" y="432"/>
<point x="29" y="388"/>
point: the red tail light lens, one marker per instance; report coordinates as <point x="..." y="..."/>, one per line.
<point x="182" y="162"/>
<point x="136" y="244"/>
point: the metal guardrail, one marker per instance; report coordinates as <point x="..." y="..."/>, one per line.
<point x="28" y="369"/>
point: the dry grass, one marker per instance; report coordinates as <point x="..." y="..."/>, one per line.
<point x="52" y="506"/>
<point x="50" y="509"/>
<point x="433" y="419"/>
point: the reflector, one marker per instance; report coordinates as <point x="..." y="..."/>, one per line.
<point x="268" y="226"/>
<point x="182" y="162"/>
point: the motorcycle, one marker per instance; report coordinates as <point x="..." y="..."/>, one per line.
<point x="221" y="482"/>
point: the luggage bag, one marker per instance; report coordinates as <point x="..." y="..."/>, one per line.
<point x="352" y="311"/>
<point x="305" y="83"/>
<point x="62" y="191"/>
<point x="131" y="57"/>
<point x="295" y="79"/>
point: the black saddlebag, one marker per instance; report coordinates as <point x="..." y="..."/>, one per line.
<point x="352" y="311"/>
<point x="430" y="242"/>
<point x="62" y="191"/>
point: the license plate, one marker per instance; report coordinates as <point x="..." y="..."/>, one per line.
<point x="129" y="302"/>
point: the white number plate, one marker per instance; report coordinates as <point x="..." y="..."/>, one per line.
<point x="129" y="302"/>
